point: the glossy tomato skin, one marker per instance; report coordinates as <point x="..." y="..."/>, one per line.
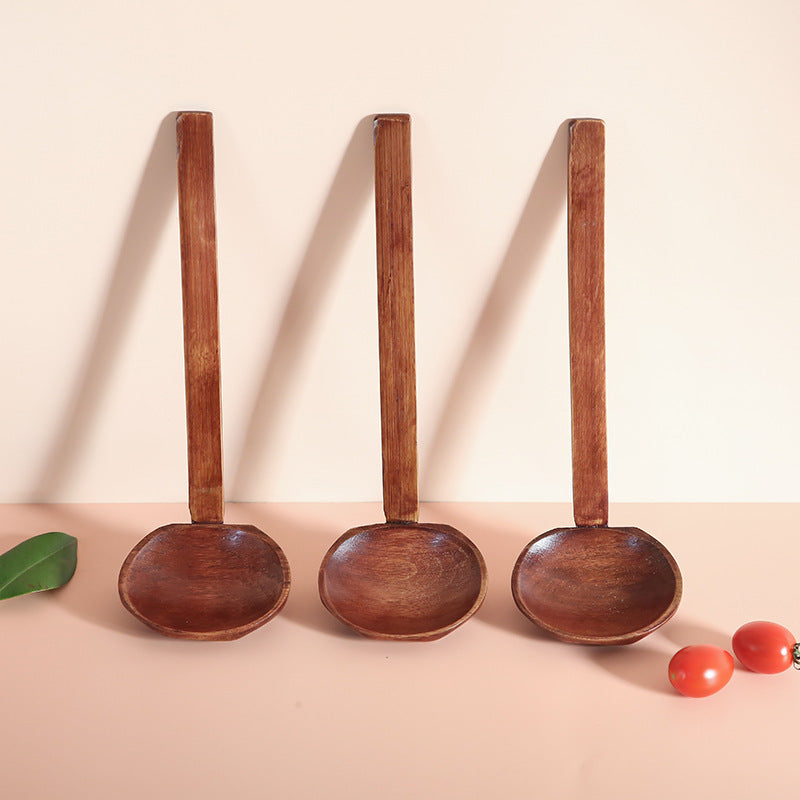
<point x="764" y="647"/>
<point x="700" y="670"/>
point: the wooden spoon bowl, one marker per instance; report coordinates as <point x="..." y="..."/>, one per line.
<point x="205" y="581"/>
<point x="403" y="580"/>
<point x="597" y="585"/>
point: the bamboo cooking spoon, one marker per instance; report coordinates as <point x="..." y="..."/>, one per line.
<point x="204" y="580"/>
<point x="592" y="584"/>
<point x="399" y="579"/>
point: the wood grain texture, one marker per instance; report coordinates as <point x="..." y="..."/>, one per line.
<point x="407" y="581"/>
<point x="393" y="223"/>
<point x="200" y="314"/>
<point x="205" y="581"/>
<point x="597" y="585"/>
<point x="585" y="212"/>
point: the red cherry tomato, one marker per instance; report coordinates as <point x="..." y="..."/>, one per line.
<point x="764" y="647"/>
<point x="700" y="670"/>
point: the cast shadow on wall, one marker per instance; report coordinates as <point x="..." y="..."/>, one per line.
<point x="152" y="207"/>
<point x="344" y="204"/>
<point x="544" y="208"/>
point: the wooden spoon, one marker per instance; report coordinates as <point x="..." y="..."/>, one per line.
<point x="205" y="580"/>
<point x="400" y="579"/>
<point x="592" y="584"/>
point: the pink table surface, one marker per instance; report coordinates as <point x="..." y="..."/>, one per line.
<point x="95" y="705"/>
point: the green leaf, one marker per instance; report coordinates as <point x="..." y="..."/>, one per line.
<point x="42" y="562"/>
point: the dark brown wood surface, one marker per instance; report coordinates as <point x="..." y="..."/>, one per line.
<point x="597" y="585"/>
<point x="396" y="316"/>
<point x="409" y="581"/>
<point x="200" y="314"/>
<point x="205" y="581"/>
<point x="585" y="213"/>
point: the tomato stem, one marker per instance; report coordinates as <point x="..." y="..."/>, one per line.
<point x="796" y="655"/>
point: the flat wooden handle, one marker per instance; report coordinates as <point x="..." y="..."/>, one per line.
<point x="396" y="316"/>
<point x="200" y="314"/>
<point x="585" y="213"/>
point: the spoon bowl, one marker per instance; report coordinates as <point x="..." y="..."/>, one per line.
<point x="205" y="581"/>
<point x="403" y="580"/>
<point x="596" y="585"/>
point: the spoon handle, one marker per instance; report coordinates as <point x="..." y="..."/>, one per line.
<point x="200" y="314"/>
<point x="585" y="222"/>
<point x="396" y="316"/>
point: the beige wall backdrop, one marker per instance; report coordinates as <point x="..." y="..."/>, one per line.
<point x="701" y="104"/>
